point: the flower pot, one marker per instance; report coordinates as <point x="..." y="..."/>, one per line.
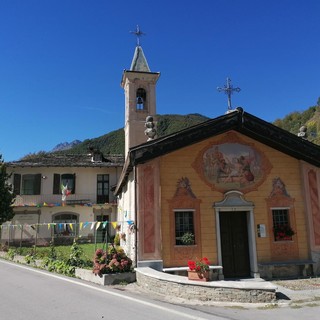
<point x="198" y="276"/>
<point x="284" y="238"/>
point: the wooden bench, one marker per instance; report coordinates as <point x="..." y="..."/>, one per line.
<point x="304" y="265"/>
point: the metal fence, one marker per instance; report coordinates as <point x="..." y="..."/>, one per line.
<point x="41" y="235"/>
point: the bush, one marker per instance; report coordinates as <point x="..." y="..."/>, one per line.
<point x="63" y="266"/>
<point x="11" y="253"/>
<point x="117" y="240"/>
<point x="30" y="258"/>
<point x="75" y="259"/>
<point x="111" y="261"/>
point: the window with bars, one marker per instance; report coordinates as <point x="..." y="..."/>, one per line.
<point x="184" y="226"/>
<point x="65" y="225"/>
<point x="281" y="225"/>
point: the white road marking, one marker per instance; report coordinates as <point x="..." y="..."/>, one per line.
<point x="52" y="275"/>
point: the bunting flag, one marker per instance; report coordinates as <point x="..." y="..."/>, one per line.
<point x="85" y="225"/>
<point x="63" y="226"/>
<point x="58" y="204"/>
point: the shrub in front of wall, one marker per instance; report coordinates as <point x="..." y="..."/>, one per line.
<point x="111" y="261"/>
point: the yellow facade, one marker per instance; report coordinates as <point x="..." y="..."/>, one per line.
<point x="180" y="163"/>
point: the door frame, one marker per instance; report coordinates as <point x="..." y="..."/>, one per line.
<point x="234" y="201"/>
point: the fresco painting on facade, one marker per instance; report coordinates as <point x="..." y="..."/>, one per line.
<point x="282" y="229"/>
<point x="232" y="164"/>
<point x="278" y="188"/>
<point x="184" y="188"/>
<point x="184" y="219"/>
<point x="282" y="222"/>
<point x="149" y="225"/>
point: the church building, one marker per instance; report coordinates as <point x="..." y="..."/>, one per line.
<point x="235" y="189"/>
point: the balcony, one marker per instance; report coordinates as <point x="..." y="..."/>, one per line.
<point x="54" y="200"/>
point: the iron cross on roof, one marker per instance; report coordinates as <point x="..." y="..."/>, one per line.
<point x="228" y="89"/>
<point x="138" y="33"/>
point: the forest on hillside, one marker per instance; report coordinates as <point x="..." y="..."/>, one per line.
<point x="113" y="142"/>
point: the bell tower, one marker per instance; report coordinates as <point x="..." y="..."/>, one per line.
<point x="139" y="85"/>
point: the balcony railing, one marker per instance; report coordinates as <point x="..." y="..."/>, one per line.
<point x="56" y="200"/>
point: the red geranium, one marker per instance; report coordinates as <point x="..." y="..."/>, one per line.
<point x="199" y="266"/>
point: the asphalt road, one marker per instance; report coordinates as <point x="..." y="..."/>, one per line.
<point x="32" y="294"/>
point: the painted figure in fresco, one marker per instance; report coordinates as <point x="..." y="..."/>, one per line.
<point x="232" y="165"/>
<point x="219" y="164"/>
<point x="278" y="188"/>
<point x="235" y="170"/>
<point x="246" y="168"/>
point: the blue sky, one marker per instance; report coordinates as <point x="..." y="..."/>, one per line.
<point x="61" y="62"/>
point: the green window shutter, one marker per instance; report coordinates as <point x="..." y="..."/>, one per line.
<point x="37" y="183"/>
<point x="56" y="183"/>
<point x="16" y="183"/>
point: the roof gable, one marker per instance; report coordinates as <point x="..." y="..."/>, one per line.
<point x="237" y="120"/>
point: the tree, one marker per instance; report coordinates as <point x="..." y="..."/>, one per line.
<point x="6" y="194"/>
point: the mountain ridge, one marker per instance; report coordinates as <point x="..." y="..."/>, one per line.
<point x="113" y="142"/>
<point x="65" y="145"/>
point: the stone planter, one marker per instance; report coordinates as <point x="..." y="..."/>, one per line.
<point x="106" y="279"/>
<point x="196" y="276"/>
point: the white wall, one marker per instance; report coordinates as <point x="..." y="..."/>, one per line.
<point x="126" y="212"/>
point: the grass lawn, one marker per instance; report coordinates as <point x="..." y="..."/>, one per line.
<point x="64" y="251"/>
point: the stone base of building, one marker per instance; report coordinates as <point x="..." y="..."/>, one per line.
<point x="286" y="270"/>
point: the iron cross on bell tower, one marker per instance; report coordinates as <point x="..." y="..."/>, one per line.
<point x="228" y="89"/>
<point x="138" y="33"/>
